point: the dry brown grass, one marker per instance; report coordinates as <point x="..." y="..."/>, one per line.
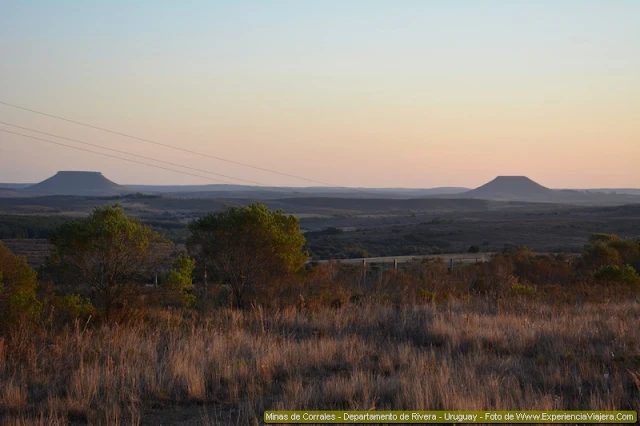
<point x="229" y="367"/>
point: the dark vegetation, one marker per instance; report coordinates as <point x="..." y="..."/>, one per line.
<point x="342" y="228"/>
<point x="41" y="227"/>
<point x="555" y="230"/>
<point x="106" y="253"/>
<point x="248" y="248"/>
<point x="27" y="227"/>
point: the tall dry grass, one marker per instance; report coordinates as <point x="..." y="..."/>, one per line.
<point x="229" y="366"/>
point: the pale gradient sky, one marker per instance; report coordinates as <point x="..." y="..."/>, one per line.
<point x="356" y="93"/>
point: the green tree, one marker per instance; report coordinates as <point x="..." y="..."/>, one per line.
<point x="249" y="248"/>
<point x="72" y="307"/>
<point x="18" y="287"/>
<point x="180" y="279"/>
<point x="107" y="252"/>
<point x="618" y="274"/>
<point x="609" y="249"/>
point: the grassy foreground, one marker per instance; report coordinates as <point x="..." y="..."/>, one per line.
<point x="228" y="367"/>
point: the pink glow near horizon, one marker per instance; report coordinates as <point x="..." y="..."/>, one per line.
<point x="396" y="94"/>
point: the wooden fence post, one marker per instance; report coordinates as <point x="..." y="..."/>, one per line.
<point x="364" y="272"/>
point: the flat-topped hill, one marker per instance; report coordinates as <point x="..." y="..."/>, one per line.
<point x="77" y="183"/>
<point x="512" y="188"/>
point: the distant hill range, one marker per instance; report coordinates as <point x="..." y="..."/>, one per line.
<point x="76" y="183"/>
<point x="502" y="188"/>
<point x="14" y="186"/>
<point x="275" y="192"/>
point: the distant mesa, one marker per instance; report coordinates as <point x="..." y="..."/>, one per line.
<point x="77" y="183"/>
<point x="512" y="188"/>
<point x="502" y="188"/>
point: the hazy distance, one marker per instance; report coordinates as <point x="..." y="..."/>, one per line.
<point x="502" y="188"/>
<point x="376" y="94"/>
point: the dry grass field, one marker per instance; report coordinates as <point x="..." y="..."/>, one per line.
<point x="229" y="366"/>
<point x="517" y="331"/>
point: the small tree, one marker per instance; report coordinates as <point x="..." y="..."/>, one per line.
<point x="180" y="280"/>
<point x="18" y="286"/>
<point x="106" y="252"/>
<point x="248" y="247"/>
<point x="609" y="249"/>
<point x="618" y="274"/>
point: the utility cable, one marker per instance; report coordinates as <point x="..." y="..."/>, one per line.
<point x="103" y="129"/>
<point x="115" y="156"/>
<point x="127" y="153"/>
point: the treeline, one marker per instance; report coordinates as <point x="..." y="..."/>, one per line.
<point x="114" y="267"/>
<point x="37" y="227"/>
<point x="606" y="270"/>
<point x="100" y="266"/>
<point x="23" y="227"/>
<point x="491" y="232"/>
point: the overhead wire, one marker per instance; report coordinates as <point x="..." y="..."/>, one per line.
<point x="127" y="135"/>
<point x="115" y="156"/>
<point x="128" y="153"/>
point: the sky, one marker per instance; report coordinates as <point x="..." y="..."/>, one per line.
<point x="351" y="93"/>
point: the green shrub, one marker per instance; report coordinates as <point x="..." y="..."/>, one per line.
<point x="180" y="280"/>
<point x="601" y="254"/>
<point x="72" y="307"/>
<point x="425" y="295"/>
<point x="106" y="253"/>
<point x="605" y="249"/>
<point x="522" y="290"/>
<point x="18" y="286"/>
<point x="248" y="248"/>
<point x="618" y="274"/>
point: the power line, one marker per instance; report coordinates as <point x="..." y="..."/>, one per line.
<point x="91" y="126"/>
<point x="127" y="153"/>
<point x="115" y="156"/>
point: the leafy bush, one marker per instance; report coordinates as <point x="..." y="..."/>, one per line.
<point x="180" y="280"/>
<point x="618" y="274"/>
<point x="609" y="249"/>
<point x="107" y="252"/>
<point x="425" y="295"/>
<point x="522" y="290"/>
<point x="72" y="307"/>
<point x="18" y="286"/>
<point x="249" y="248"/>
